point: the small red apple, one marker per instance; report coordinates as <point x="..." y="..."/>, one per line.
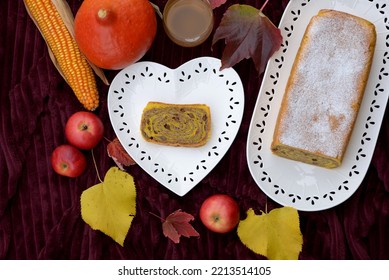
<point x="220" y="213"/>
<point x="84" y="130"/>
<point x="68" y="161"/>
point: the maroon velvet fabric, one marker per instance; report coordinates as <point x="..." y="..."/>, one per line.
<point x="40" y="211"/>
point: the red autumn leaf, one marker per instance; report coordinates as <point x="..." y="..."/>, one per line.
<point x="216" y="3"/>
<point x="247" y="33"/>
<point x="118" y="154"/>
<point x="177" y="225"/>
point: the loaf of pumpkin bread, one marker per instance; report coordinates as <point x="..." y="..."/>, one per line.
<point x="325" y="89"/>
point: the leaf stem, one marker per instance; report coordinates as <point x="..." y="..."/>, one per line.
<point x="155" y="215"/>
<point x="263" y="6"/>
<point x="94" y="162"/>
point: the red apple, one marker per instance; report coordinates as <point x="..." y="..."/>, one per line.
<point x="84" y="130"/>
<point x="220" y="213"/>
<point x="68" y="161"/>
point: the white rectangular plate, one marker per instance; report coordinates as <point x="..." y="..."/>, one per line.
<point x="302" y="186"/>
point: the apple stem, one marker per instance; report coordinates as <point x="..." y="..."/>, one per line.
<point x="155" y="215"/>
<point x="95" y="164"/>
<point x="263" y="6"/>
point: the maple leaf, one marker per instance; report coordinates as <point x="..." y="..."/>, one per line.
<point x="275" y="235"/>
<point x="177" y="225"/>
<point x="118" y="154"/>
<point x="247" y="33"/>
<point x="110" y="206"/>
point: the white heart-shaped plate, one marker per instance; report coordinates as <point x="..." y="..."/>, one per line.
<point x="199" y="81"/>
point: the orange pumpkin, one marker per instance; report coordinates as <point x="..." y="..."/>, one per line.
<point x="115" y="34"/>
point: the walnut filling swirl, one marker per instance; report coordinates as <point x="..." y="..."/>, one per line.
<point x="186" y="125"/>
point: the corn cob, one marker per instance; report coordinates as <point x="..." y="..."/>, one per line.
<point x="74" y="66"/>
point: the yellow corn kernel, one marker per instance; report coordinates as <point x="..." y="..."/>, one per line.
<point x="75" y="68"/>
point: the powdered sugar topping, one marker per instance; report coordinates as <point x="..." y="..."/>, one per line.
<point x="324" y="96"/>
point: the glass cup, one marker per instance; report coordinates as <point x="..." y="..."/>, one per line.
<point x="188" y="23"/>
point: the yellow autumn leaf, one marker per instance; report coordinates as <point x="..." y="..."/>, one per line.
<point x="275" y="235"/>
<point x="111" y="205"/>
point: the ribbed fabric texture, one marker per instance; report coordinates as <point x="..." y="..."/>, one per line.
<point x="40" y="211"/>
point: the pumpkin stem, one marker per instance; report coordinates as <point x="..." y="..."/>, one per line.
<point x="104" y="15"/>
